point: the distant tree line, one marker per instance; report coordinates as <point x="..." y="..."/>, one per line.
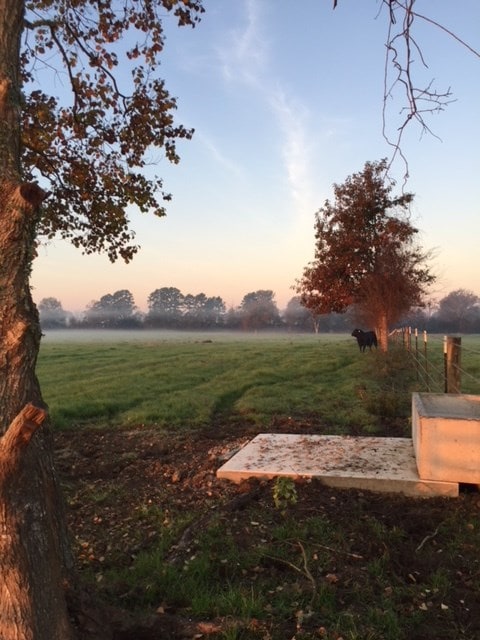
<point x="457" y="312"/>
<point x="169" y="308"/>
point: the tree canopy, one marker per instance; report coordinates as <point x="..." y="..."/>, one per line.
<point x="169" y="307"/>
<point x="113" y="311"/>
<point x="459" y="309"/>
<point x="259" y="310"/>
<point x="365" y="253"/>
<point x="52" y="314"/>
<point x="89" y="132"/>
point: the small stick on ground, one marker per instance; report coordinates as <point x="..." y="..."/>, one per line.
<point x="429" y="537"/>
<point x="305" y="571"/>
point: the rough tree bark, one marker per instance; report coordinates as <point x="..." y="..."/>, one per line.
<point x="34" y="550"/>
<point x="35" y="559"/>
<point x="32" y="599"/>
<point x="382" y="333"/>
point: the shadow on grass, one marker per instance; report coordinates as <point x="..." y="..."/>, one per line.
<point x="224" y="407"/>
<point x="88" y="412"/>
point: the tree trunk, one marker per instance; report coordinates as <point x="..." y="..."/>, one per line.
<point x="382" y="333"/>
<point x="34" y="553"/>
<point x="35" y="558"/>
<point x="32" y="593"/>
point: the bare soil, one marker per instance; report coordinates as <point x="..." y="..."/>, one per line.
<point x="110" y="476"/>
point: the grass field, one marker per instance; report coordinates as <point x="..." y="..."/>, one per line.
<point x="190" y="380"/>
<point x="181" y="380"/>
<point x="141" y="422"/>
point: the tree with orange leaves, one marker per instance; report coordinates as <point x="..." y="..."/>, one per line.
<point x="366" y="254"/>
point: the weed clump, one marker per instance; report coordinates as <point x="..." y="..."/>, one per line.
<point x="284" y="493"/>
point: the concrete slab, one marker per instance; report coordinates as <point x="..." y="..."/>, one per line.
<point x="446" y="436"/>
<point x="375" y="464"/>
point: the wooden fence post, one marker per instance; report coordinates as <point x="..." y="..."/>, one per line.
<point x="452" y="354"/>
<point x="417" y="365"/>
<point x="425" y="356"/>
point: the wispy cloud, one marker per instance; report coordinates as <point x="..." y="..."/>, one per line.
<point x="219" y="157"/>
<point x="243" y="54"/>
<point x="292" y="118"/>
<point x="245" y="59"/>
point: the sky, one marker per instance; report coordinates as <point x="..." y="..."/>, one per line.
<point x="286" y="99"/>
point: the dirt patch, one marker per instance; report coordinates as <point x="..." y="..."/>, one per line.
<point x="114" y="479"/>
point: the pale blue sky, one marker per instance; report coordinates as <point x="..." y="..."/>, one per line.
<point x="286" y="99"/>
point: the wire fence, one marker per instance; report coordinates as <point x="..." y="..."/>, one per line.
<point x="443" y="364"/>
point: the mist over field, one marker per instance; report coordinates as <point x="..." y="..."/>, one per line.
<point x="165" y="335"/>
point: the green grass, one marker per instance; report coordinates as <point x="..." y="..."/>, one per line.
<point x="470" y="364"/>
<point x="193" y="380"/>
<point x="190" y="383"/>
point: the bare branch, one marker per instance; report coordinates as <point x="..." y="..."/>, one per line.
<point x="400" y="48"/>
<point x="448" y="32"/>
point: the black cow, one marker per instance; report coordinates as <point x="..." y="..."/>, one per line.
<point x="365" y="339"/>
